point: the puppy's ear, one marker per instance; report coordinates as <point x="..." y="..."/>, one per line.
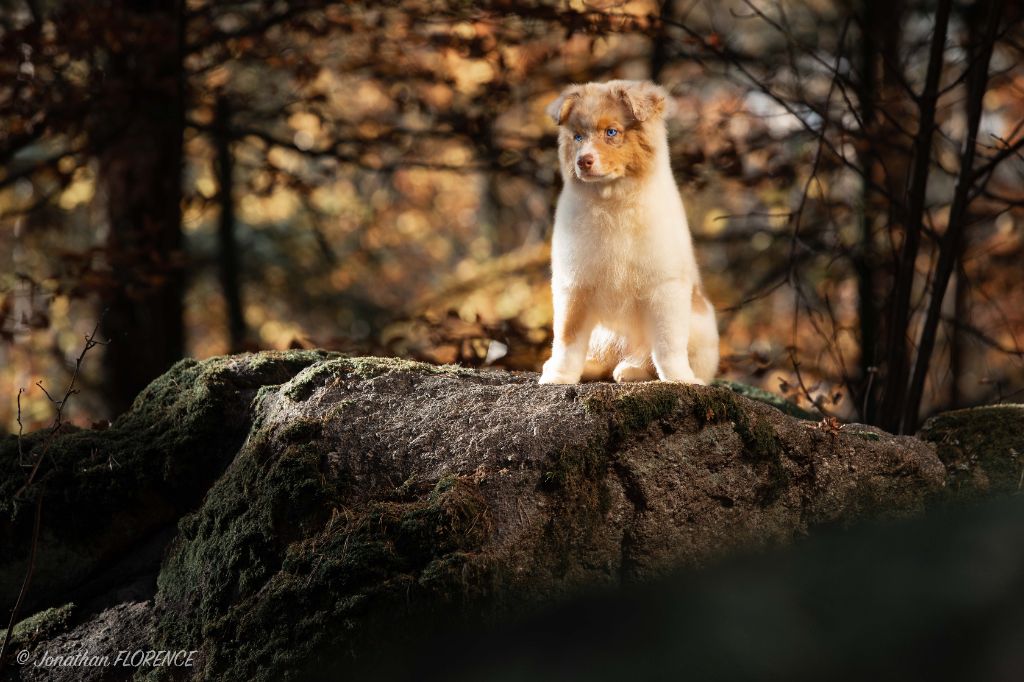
<point x="644" y="99"/>
<point x="561" y="107"/>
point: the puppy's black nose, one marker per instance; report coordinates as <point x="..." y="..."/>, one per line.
<point x="585" y="162"/>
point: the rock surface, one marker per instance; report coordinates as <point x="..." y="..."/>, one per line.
<point x="340" y="501"/>
<point x="982" y="448"/>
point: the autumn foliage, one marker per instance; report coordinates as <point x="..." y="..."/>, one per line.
<point x="379" y="178"/>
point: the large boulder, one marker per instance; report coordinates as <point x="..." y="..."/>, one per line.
<point x="374" y="494"/>
<point x="982" y="448"/>
<point x="354" y="501"/>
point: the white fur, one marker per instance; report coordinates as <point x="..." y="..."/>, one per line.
<point x="624" y="246"/>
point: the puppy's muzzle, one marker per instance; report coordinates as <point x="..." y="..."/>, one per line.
<point x="585" y="162"/>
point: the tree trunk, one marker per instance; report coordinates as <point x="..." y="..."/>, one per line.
<point x="227" y="243"/>
<point x="886" y="110"/>
<point x="140" y="133"/>
<point x="660" y="46"/>
<point x="957" y="342"/>
<point x="912" y="212"/>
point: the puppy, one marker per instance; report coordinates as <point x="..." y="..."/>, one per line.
<point x="628" y="300"/>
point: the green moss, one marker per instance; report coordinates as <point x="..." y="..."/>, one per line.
<point x="768" y="398"/>
<point x="439" y="573"/>
<point x="106" y="489"/>
<point x="982" y="448"/>
<point x="455" y="516"/>
<point x="339" y="410"/>
<point x="636" y="409"/>
<point x="633" y="408"/>
<point x="305" y="383"/>
<point x="760" y="441"/>
<point x="713" y="405"/>
<point x="42" y="625"/>
<point x="864" y="435"/>
<point x="443" y="485"/>
<point x="315" y="376"/>
<point x="270" y="540"/>
<point x="301" y="430"/>
<point x="375" y="366"/>
<point x="577" y="482"/>
<point x="295" y="359"/>
<point x="228" y="551"/>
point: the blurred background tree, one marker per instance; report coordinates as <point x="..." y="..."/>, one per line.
<point x="379" y="177"/>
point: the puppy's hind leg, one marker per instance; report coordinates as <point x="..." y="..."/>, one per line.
<point x="596" y="370"/>
<point x="635" y="360"/>
<point x="602" y="354"/>
<point x="634" y="368"/>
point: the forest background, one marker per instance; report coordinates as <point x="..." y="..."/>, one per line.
<point x="199" y="178"/>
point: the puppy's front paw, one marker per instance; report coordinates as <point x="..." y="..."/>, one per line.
<point x="552" y="377"/>
<point x="552" y="374"/>
<point x="682" y="378"/>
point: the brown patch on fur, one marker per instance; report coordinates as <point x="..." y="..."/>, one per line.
<point x="699" y="301"/>
<point x="562" y="105"/>
<point x="566" y="107"/>
<point x="637" y="152"/>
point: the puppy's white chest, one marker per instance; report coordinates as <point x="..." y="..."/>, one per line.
<point x="611" y="247"/>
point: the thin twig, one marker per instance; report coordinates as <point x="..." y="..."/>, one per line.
<point x="58" y="418"/>
<point x="90" y="343"/>
<point x="21" y="430"/>
<point x="816" y="404"/>
<point x="28" y="579"/>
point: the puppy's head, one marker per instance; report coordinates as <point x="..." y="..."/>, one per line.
<point x="606" y="130"/>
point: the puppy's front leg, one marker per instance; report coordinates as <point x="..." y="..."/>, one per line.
<point x="670" y="309"/>
<point x="574" y="322"/>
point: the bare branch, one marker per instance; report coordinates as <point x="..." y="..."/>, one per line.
<point x="949" y="251"/>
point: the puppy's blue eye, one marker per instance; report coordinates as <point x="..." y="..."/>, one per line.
<point x="578" y="137"/>
<point x="611" y="132"/>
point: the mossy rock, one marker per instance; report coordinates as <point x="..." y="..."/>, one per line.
<point x="982" y="448"/>
<point x="375" y="497"/>
<point x="41" y="625"/>
<point x="104" y="490"/>
<point x="329" y="509"/>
